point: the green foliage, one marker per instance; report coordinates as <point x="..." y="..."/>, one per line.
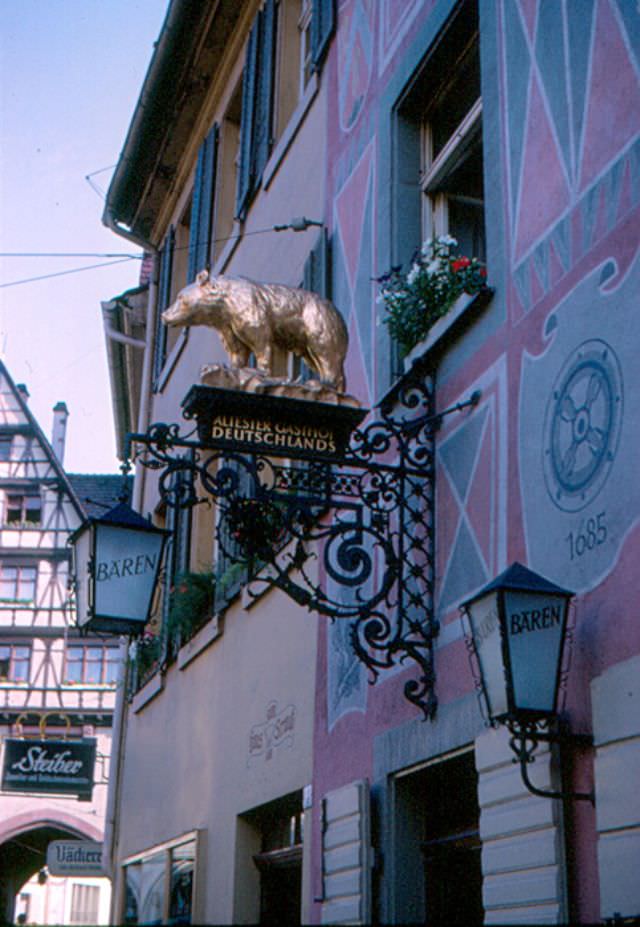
<point x="190" y="604"/>
<point x="416" y="300"/>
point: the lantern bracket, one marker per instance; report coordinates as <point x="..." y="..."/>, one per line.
<point x="528" y="734"/>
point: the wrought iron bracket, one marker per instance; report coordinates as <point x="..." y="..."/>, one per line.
<point x="366" y="515"/>
<point x="527" y="735"/>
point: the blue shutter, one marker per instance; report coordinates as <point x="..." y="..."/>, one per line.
<point x="263" y="125"/>
<point x="202" y="206"/>
<point x="164" y="295"/>
<point x="257" y="105"/>
<point x="194" y="227"/>
<point x="316" y="278"/>
<point x="249" y="79"/>
<point x="323" y="23"/>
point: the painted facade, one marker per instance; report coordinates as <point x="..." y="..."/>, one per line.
<point x="53" y="683"/>
<point x="401" y="811"/>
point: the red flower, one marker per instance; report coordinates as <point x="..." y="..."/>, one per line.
<point x="483" y="271"/>
<point x="460" y="264"/>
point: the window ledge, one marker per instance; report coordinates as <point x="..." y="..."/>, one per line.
<point x="448" y="328"/>
<point x="205" y="636"/>
<point x="291" y="130"/>
<point x="148" y="692"/>
<point x="88" y="686"/>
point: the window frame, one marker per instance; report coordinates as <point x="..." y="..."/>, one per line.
<point x="80" y="890"/>
<point x="12" y="660"/>
<point x="87" y="661"/>
<point x="165" y="852"/>
<point x="15" y="599"/>
<point x="463" y="139"/>
<point x="22" y="507"/>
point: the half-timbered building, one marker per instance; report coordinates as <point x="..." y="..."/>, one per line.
<point x="54" y="684"/>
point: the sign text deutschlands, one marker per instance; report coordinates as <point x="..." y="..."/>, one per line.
<point x="276" y="436"/>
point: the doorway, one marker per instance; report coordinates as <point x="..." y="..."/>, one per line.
<point x="438" y="849"/>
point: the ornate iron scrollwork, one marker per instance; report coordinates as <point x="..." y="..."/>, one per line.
<point x="367" y="514"/>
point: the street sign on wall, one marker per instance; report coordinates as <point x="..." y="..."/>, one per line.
<point x="56" y="767"/>
<point x="74" y="857"/>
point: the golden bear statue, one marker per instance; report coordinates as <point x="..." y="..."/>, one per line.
<point x="256" y="317"/>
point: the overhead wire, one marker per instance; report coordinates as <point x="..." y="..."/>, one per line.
<point x="122" y="258"/>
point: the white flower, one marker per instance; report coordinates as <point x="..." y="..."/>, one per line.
<point x="448" y="240"/>
<point x="427" y="247"/>
<point x="413" y="274"/>
<point x="433" y="267"/>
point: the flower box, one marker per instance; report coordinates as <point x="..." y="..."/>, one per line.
<point x="416" y="302"/>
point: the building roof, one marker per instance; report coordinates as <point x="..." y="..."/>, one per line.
<point x="98" y="492"/>
<point x="187" y="53"/>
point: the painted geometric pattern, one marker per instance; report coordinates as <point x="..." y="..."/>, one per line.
<point x="353" y="255"/>
<point x="395" y="20"/>
<point x="572" y="128"/>
<point x="470" y="497"/>
<point x="355" y="59"/>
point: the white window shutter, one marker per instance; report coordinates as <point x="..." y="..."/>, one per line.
<point x="346" y="855"/>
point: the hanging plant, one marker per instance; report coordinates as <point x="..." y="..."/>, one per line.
<point x="416" y="300"/>
<point x="190" y="604"/>
<point x="258" y="526"/>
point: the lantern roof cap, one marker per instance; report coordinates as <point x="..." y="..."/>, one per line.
<point x="520" y="577"/>
<point x="123" y="514"/>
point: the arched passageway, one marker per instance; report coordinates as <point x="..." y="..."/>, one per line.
<point x="24" y="853"/>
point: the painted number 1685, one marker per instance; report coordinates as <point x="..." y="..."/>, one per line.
<point x="591" y="533"/>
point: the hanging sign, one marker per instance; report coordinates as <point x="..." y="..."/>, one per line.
<point x="74" y="857"/>
<point x="277" y="426"/>
<point x="55" y="767"/>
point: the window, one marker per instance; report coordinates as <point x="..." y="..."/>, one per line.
<point x="22" y="509"/>
<point x="227" y="171"/>
<point x="85" y="900"/>
<point x="164" y="299"/>
<point x="14" y="662"/>
<point x="159" y="886"/>
<point x="5" y="447"/>
<point x="17" y="583"/>
<point x="201" y="217"/>
<point x="187" y="246"/>
<point x="92" y="665"/>
<point x="276" y="830"/>
<point x="316" y="277"/>
<point x="288" y="40"/>
<point x="451" y="175"/>
<point x="294" y="60"/>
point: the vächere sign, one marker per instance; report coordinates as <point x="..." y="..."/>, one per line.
<point x="55" y="767"/>
<point x="74" y="857"/>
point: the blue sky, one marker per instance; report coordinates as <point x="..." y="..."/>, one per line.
<point x="70" y="75"/>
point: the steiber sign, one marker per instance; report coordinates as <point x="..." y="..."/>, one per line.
<point x="57" y="767"/>
<point x="74" y="857"/>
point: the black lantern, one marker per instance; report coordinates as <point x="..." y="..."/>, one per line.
<point x="517" y="632"/>
<point x="518" y="624"/>
<point x="116" y="561"/>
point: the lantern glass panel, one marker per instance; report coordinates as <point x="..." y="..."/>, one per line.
<point x="126" y="567"/>
<point x="535" y="630"/>
<point x="485" y="628"/>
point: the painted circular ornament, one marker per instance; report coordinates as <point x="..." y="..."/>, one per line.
<point x="582" y="425"/>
